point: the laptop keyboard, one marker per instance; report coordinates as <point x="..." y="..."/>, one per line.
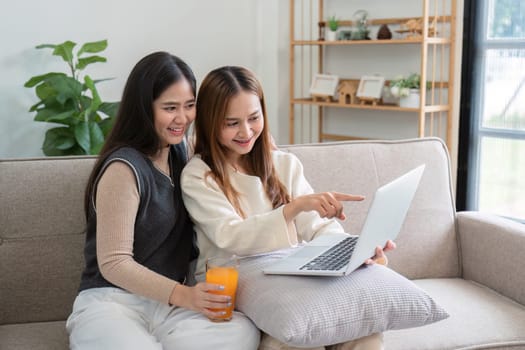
<point x="334" y="258"/>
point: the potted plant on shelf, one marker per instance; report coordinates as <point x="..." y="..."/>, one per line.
<point x="361" y="31"/>
<point x="407" y="89"/>
<point x="333" y="25"/>
<point x="72" y="102"/>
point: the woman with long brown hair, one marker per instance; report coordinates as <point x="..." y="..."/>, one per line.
<point x="243" y="196"/>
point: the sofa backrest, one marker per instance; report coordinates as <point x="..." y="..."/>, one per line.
<point x="42" y="231"/>
<point x="427" y="245"/>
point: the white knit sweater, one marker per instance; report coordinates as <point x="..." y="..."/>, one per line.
<point x="221" y="231"/>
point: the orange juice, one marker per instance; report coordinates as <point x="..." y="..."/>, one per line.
<point x="228" y="277"/>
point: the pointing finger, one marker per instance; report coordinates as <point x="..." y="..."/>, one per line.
<point x="347" y="197"/>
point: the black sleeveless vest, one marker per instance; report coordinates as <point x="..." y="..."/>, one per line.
<point x="164" y="240"/>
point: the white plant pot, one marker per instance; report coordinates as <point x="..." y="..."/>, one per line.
<point x="388" y="98"/>
<point x="410" y="101"/>
<point x="331" y="35"/>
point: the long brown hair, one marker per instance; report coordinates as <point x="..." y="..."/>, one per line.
<point x="216" y="91"/>
<point x="134" y="124"/>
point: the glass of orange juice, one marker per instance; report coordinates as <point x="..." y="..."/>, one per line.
<point x="223" y="271"/>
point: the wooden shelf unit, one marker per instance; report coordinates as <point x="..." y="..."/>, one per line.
<point x="432" y="115"/>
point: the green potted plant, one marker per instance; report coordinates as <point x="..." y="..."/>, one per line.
<point x="333" y="25"/>
<point x="72" y="100"/>
<point x="407" y="89"/>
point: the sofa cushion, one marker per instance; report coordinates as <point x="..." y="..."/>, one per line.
<point x="427" y="245"/>
<point x="479" y="319"/>
<point x="42" y="236"/>
<point x="307" y="311"/>
<point x="34" y="336"/>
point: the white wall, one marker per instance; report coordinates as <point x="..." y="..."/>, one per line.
<point x="205" y="33"/>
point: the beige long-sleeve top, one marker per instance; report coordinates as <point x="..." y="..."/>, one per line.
<point x="117" y="203"/>
<point x="221" y="231"/>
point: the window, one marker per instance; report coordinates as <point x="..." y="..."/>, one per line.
<point x="491" y="173"/>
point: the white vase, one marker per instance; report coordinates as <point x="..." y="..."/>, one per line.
<point x="410" y="101"/>
<point x="331" y="35"/>
<point x="388" y="98"/>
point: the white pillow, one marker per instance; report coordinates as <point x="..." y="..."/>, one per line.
<point x="316" y="311"/>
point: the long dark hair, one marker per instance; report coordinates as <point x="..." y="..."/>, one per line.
<point x="216" y="91"/>
<point x="134" y="124"/>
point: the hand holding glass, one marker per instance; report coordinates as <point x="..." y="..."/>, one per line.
<point x="223" y="271"/>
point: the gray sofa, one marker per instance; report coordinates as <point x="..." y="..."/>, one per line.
<point x="471" y="263"/>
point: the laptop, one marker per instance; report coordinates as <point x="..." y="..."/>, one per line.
<point x="340" y="254"/>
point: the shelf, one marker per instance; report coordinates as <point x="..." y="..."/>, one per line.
<point x="379" y="107"/>
<point x="429" y="38"/>
<point x="433" y="40"/>
<point x="390" y="21"/>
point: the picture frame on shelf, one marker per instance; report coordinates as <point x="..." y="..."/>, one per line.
<point x="324" y="86"/>
<point x="370" y="87"/>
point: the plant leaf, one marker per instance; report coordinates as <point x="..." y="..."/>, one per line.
<point x="62" y="118"/>
<point x="106" y="125"/>
<point x="54" y="116"/>
<point x="57" y="140"/>
<point x="65" y="50"/>
<point x="35" y="106"/>
<point x="109" y="108"/>
<point x="89" y="136"/>
<point x="96" y="81"/>
<point x="93" y="47"/>
<point x="96" y="102"/>
<point x="96" y="118"/>
<point x="47" y="103"/>
<point x="39" y="78"/>
<point x="58" y="91"/>
<point x="54" y="105"/>
<point x="83" y="62"/>
<point x="43" y="114"/>
<point x="44" y="91"/>
<point x="82" y="136"/>
<point x="97" y="138"/>
<point x="46" y="46"/>
<point x="85" y="102"/>
<point x="66" y="88"/>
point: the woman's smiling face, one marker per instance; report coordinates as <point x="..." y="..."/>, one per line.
<point x="173" y="111"/>
<point x="243" y="124"/>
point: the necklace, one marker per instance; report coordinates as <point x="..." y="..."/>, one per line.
<point x="166" y="171"/>
<point x="238" y="168"/>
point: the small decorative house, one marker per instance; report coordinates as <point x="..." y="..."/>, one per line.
<point x="347" y="90"/>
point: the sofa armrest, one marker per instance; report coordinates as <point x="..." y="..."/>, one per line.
<point x="492" y="250"/>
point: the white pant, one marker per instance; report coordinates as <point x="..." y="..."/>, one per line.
<point x="111" y="318"/>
